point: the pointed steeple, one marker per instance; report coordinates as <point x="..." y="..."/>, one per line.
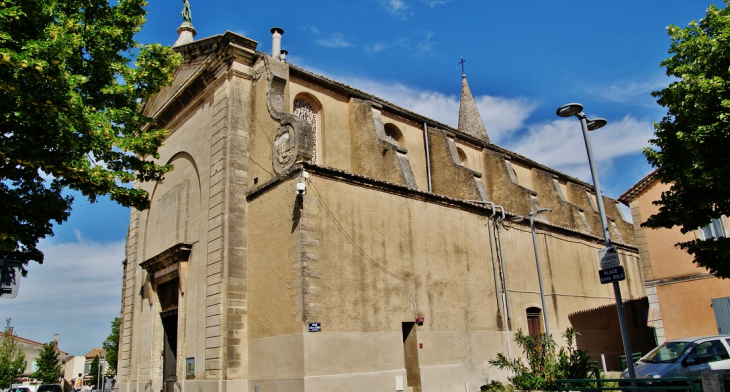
<point x="470" y="122"/>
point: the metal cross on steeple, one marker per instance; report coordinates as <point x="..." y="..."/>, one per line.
<point x="462" y="64"/>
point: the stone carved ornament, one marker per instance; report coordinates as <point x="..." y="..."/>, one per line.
<point x="294" y="137"/>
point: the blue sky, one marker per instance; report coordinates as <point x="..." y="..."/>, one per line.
<point x="524" y="59"/>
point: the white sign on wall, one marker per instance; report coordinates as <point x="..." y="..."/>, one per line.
<point x="608" y="257"/>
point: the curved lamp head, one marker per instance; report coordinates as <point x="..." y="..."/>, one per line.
<point x="569" y="110"/>
<point x="596" y="123"/>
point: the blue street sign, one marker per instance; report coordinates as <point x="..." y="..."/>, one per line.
<point x="611" y="275"/>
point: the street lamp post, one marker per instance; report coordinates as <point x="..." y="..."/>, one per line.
<point x="576" y="109"/>
<point x="531" y="215"/>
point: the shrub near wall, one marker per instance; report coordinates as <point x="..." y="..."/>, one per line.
<point x="544" y="364"/>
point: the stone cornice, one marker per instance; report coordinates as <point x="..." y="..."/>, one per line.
<point x="401" y="190"/>
<point x="221" y="51"/>
<point x="633" y="192"/>
<point x="170" y="256"/>
<point x="208" y="45"/>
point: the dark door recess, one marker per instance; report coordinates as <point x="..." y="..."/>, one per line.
<point x="410" y="348"/>
<point x="168" y="294"/>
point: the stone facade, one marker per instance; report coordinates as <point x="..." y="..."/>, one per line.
<point x="382" y="248"/>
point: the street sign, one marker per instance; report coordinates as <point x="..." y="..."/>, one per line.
<point x="10" y="273"/>
<point x="608" y="257"/>
<point x="315" y="327"/>
<point x="611" y="275"/>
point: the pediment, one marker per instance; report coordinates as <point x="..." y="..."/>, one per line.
<point x="182" y="75"/>
<point x="167" y="258"/>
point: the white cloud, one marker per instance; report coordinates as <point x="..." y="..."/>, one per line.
<point x="336" y="40"/>
<point x="433" y="3"/>
<point x="76" y="293"/>
<point x="397" y="8"/>
<point x="559" y="144"/>
<point x="396" y="5"/>
<point x="500" y="115"/>
<point x="381" y="46"/>
<point x="420" y="46"/>
<point x="425" y="46"/>
<point x="631" y="92"/>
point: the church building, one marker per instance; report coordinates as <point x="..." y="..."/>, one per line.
<point x="314" y="237"/>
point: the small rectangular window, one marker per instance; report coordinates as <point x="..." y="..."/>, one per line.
<point x="713" y="230"/>
<point x="533" y="322"/>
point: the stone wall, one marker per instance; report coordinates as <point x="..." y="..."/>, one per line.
<point x="369" y="246"/>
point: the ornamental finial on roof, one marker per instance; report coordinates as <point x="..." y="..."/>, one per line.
<point x="186" y="32"/>
<point x="186" y="15"/>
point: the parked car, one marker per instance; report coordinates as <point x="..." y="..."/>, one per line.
<point x="50" y="388"/>
<point x="20" y="389"/>
<point x="685" y="357"/>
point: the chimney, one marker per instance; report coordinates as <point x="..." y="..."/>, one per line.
<point x="283" y="55"/>
<point x="276" y="42"/>
<point x="55" y="340"/>
<point x="10" y="331"/>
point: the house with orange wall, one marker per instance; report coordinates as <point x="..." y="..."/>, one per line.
<point x="684" y="298"/>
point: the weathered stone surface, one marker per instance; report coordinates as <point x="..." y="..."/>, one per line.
<point x="470" y="121"/>
<point x="373" y="154"/>
<point x="448" y="176"/>
<point x="367" y="247"/>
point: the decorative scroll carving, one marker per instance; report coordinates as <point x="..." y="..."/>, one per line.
<point x="294" y="138"/>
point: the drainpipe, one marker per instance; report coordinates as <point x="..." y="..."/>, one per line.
<point x="498" y="224"/>
<point x="494" y="265"/>
<point x="276" y="33"/>
<point x="428" y="157"/>
<point x="501" y="261"/>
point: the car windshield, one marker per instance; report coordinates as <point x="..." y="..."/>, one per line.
<point x="668" y="352"/>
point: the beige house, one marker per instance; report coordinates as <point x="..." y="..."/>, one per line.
<point x="73" y="366"/>
<point x="678" y="289"/>
<point x="32" y="351"/>
<point x="313" y="237"/>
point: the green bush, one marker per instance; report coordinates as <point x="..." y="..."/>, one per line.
<point x="545" y="365"/>
<point x="497" y="386"/>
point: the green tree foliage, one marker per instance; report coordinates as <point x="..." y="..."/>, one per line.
<point x="693" y="139"/>
<point x="94" y="371"/>
<point x="12" y="358"/>
<point x="49" y="365"/>
<point x="72" y="82"/>
<point x="111" y="347"/>
<point x="544" y="364"/>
